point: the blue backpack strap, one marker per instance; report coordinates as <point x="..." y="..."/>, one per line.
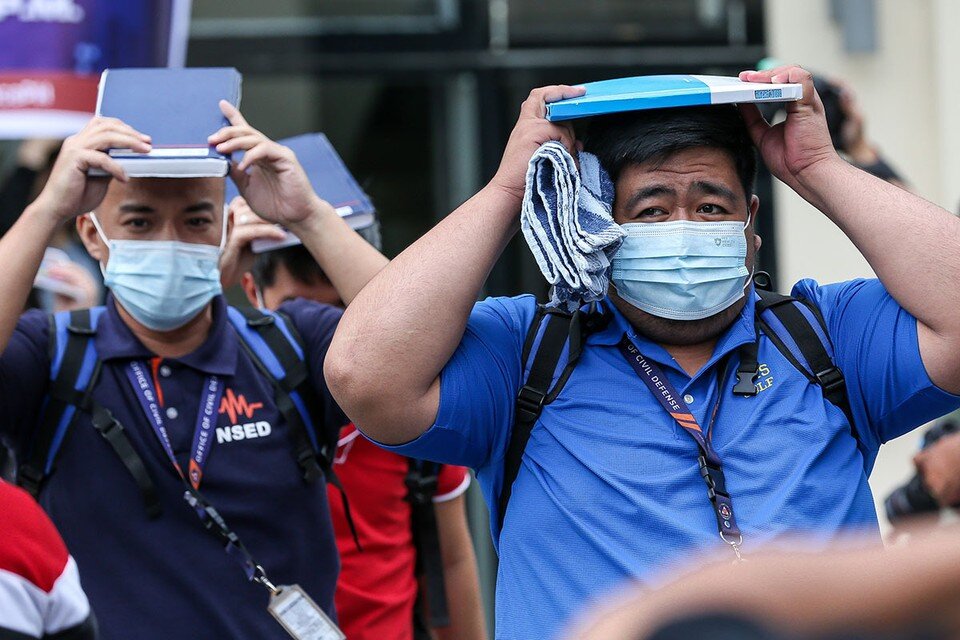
<point x="74" y="371"/>
<point x="275" y="348"/>
<point x="269" y="340"/>
<point x="798" y="330"/>
<point x="74" y="368"/>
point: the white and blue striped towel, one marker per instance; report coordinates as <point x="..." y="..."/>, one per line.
<point x="567" y="221"/>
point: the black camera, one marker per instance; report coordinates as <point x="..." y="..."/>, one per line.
<point x="913" y="499"/>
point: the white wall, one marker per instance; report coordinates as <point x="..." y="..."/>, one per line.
<point x="910" y="112"/>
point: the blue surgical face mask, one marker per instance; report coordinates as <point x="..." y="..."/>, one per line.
<point x="682" y="270"/>
<point x="163" y="284"/>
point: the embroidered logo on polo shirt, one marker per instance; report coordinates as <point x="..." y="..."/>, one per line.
<point x="236" y="406"/>
<point x="765" y="380"/>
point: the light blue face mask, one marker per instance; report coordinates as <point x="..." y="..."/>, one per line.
<point x="163" y="284"/>
<point x="682" y="270"/>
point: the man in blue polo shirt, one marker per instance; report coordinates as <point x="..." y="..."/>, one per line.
<point x="196" y="411"/>
<point x="610" y="484"/>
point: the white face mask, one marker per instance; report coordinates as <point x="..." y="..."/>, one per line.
<point x="163" y="284"/>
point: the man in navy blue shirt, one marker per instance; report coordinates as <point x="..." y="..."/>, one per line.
<point x="171" y="364"/>
<point x="609" y="486"/>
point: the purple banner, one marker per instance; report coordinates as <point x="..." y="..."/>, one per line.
<point x="52" y="53"/>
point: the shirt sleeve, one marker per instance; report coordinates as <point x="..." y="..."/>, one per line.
<point x="876" y="346"/>
<point x="478" y="387"/>
<point x="452" y="482"/>
<point x="316" y="323"/>
<point x="24" y="377"/>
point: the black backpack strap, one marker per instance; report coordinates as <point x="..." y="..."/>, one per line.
<point x="115" y="435"/>
<point x="422" y="478"/>
<point x="558" y="329"/>
<point x="64" y="399"/>
<point x="823" y="371"/>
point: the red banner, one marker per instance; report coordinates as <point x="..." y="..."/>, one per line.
<point x="57" y="91"/>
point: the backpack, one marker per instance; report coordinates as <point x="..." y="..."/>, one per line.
<point x="270" y="340"/>
<point x="421" y="482"/>
<point x="554" y="332"/>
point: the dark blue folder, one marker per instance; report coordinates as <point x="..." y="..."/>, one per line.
<point x="329" y="177"/>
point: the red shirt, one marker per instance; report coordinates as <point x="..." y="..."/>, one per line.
<point x="377" y="588"/>
<point x="40" y="593"/>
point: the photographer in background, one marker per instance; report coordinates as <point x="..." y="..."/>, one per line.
<point x="851" y="137"/>
<point x="845" y="122"/>
<point x="938" y="463"/>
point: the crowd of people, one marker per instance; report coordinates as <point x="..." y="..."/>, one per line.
<point x="206" y="464"/>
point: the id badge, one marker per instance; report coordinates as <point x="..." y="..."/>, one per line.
<point x="300" y="616"/>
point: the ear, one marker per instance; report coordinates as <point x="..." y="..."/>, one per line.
<point x="249" y="287"/>
<point x="91" y="239"/>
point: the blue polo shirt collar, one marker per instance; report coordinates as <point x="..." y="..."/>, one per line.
<point x="741" y="332"/>
<point x="216" y="356"/>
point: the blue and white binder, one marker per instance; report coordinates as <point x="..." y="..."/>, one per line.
<point x="178" y="109"/>
<point x="657" y="92"/>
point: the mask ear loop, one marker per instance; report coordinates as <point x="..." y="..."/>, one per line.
<point x="103" y="236"/>
<point x="259" y="294"/>
<point x="223" y="230"/>
<point x="753" y="271"/>
<point x="96" y="225"/>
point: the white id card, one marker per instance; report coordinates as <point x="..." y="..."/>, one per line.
<point x="301" y="616"/>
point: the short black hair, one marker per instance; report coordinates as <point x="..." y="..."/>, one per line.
<point x="637" y="137"/>
<point x="298" y="262"/>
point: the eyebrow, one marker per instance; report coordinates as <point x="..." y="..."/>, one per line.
<point x="133" y="207"/>
<point x="714" y="189"/>
<point x="206" y="205"/>
<point x="651" y="191"/>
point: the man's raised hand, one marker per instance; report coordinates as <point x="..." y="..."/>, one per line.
<point x="269" y="176"/>
<point x="237" y="256"/>
<point x="531" y="131"/>
<point x="792" y="147"/>
<point x="69" y="190"/>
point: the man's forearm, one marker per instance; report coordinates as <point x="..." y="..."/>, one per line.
<point x="348" y="260"/>
<point x="912" y="245"/>
<point x="460" y="573"/>
<point x="399" y="332"/>
<point x="22" y="249"/>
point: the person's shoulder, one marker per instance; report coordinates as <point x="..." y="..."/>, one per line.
<point x="29" y="543"/>
<point x="515" y="313"/>
<point x="313" y="320"/>
<point x="304" y="309"/>
<point x="34" y="321"/>
<point x="452" y="482"/>
<point x="836" y="295"/>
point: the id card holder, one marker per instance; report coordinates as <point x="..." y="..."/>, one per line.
<point x="300" y="616"/>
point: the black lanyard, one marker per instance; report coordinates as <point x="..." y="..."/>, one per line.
<point x="202" y="440"/>
<point x="711" y="468"/>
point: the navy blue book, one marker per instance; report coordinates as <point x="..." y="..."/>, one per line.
<point x="179" y="109"/>
<point x="330" y="179"/>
